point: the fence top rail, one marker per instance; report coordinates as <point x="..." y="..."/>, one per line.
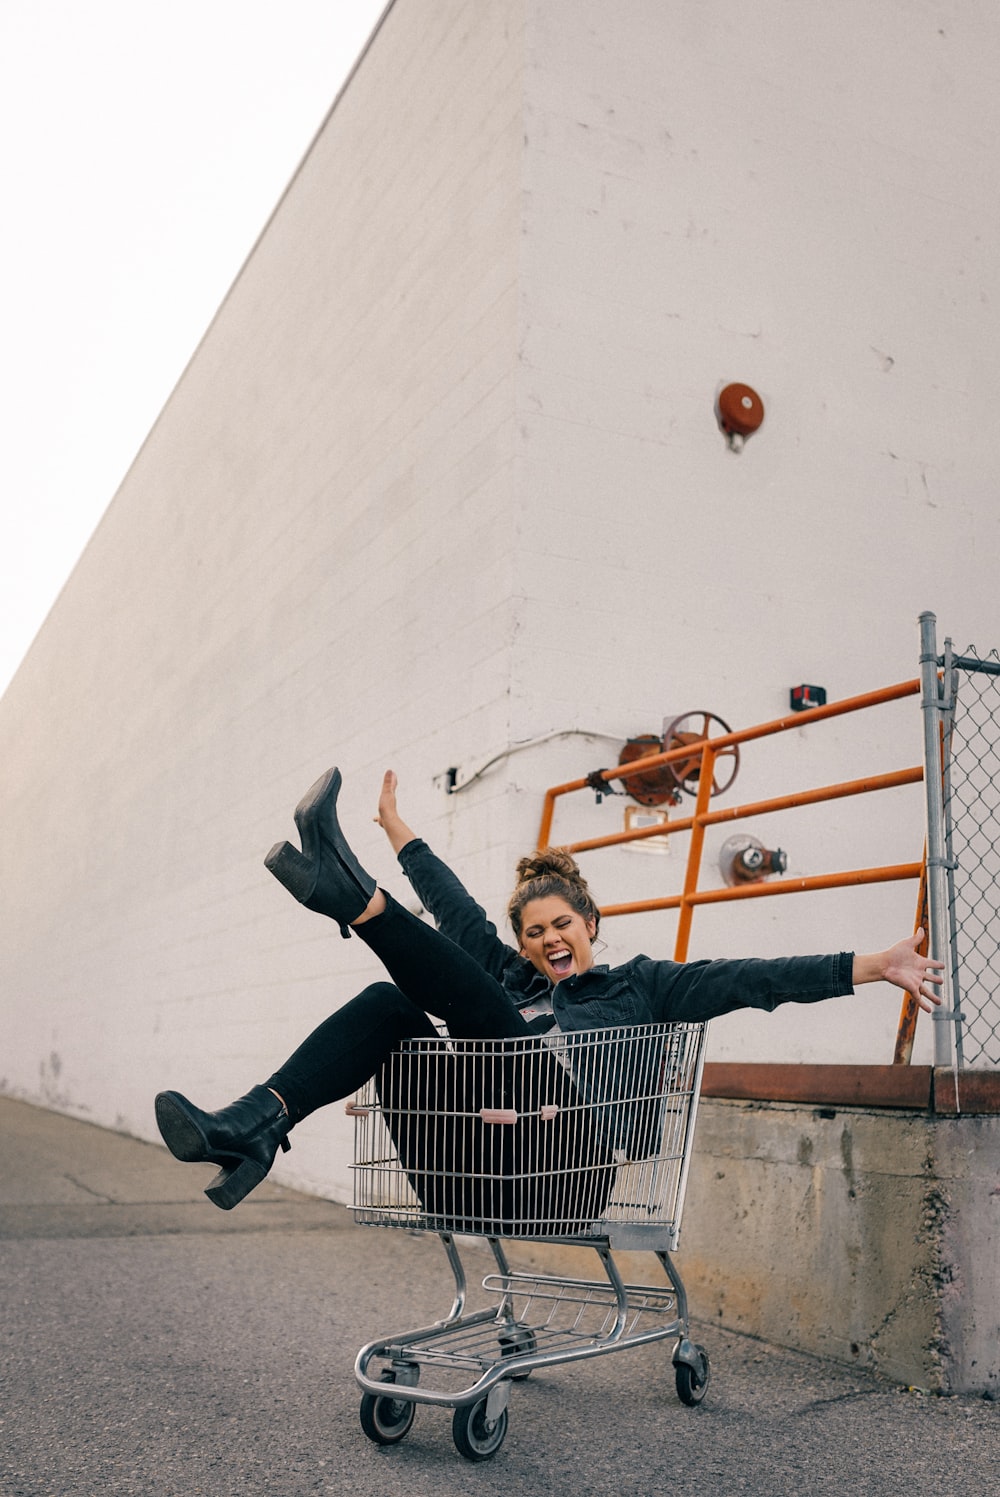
<point x="973" y="663"/>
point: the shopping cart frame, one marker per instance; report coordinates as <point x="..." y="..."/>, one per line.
<point x="641" y="1084"/>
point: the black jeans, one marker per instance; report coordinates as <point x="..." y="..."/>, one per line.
<point x="557" y="1173"/>
<point x="431" y="975"/>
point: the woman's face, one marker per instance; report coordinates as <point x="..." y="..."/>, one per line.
<point x="555" y="938"/>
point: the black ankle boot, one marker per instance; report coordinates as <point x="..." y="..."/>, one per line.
<point x="325" y="876"/>
<point x="242" y="1139"/>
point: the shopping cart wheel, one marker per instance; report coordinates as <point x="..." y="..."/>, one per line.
<point x="517" y="1340"/>
<point x="692" y="1382"/>
<point x="385" y="1419"/>
<point x="475" y="1436"/>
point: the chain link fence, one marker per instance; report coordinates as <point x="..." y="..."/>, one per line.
<point x="972" y="850"/>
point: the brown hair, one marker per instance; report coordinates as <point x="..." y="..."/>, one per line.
<point x="551" y="871"/>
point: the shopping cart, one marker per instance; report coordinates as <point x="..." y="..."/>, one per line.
<point x="580" y="1138"/>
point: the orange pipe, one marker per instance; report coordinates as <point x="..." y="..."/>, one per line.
<point x="888" y="874"/>
<point x="706" y="774"/>
<point x="815" y="797"/>
<point x="548" y="811"/>
<point x="728" y="740"/>
<point x="703" y="817"/>
<point x="614" y="838"/>
<point x="760" y="808"/>
<point x="819" y="714"/>
<point x="907" y="1028"/>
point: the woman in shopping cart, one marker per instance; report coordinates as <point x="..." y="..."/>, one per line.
<point x="463" y="974"/>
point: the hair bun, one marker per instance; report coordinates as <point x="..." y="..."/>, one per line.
<point x="552" y="872"/>
<point x="548" y="862"/>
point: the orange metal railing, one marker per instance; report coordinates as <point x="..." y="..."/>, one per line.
<point x="711" y="748"/>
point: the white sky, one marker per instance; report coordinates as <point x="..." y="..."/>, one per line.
<point x="143" y="146"/>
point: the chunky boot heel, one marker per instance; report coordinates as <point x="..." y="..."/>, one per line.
<point x="229" y="1186"/>
<point x="325" y="876"/>
<point x="293" y="870"/>
<point x="242" y="1139"/>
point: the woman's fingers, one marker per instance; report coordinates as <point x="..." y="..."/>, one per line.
<point x="387" y="797"/>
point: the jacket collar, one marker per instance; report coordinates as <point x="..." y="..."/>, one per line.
<point x="534" y="984"/>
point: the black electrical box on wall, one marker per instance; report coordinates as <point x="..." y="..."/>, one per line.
<point x="804" y="697"/>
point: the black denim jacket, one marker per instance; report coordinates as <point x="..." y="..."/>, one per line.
<point x="641" y="991"/>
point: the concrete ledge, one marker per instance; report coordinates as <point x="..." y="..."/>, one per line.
<point x="978" y="1092"/>
<point x="923" y="1088"/>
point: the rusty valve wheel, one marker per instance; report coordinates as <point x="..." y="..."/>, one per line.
<point x="692" y="728"/>
<point x="652" y="787"/>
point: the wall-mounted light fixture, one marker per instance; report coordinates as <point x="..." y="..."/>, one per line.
<point x="739" y="411"/>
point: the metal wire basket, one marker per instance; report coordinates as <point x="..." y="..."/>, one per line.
<point x="582" y="1135"/>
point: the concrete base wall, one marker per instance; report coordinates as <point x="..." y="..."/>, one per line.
<point x="870" y="1237"/>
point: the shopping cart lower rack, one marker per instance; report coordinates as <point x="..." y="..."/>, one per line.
<point x="581" y="1138"/>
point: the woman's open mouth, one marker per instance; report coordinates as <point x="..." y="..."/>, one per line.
<point x="561" y="961"/>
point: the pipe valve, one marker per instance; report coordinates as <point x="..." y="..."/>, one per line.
<point x="745" y="860"/>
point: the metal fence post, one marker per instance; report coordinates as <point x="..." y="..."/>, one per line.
<point x="937" y="890"/>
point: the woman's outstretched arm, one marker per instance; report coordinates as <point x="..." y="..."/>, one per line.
<point x="441" y="892"/>
<point x="706" y="989"/>
<point x="388" y="817"/>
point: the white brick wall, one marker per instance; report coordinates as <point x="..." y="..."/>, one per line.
<point x="805" y="201"/>
<point x="444" y="475"/>
<point x="284" y="581"/>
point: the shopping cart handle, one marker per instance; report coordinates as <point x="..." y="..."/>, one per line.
<point x="510" y="1115"/>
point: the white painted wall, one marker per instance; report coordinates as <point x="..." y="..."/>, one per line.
<point x="805" y="200"/>
<point x="285" y="580"/>
<point x="444" y="476"/>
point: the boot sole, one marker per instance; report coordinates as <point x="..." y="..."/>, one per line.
<point x="179" y="1131"/>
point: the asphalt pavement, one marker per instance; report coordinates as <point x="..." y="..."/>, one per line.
<point x="150" y="1343"/>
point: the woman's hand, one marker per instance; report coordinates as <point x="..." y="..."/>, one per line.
<point x="905" y="968"/>
<point x="388" y="817"/>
